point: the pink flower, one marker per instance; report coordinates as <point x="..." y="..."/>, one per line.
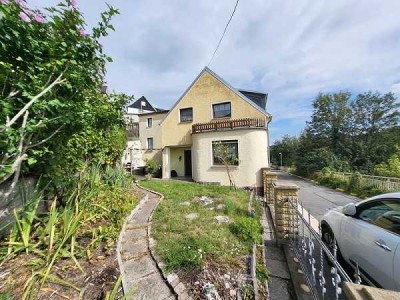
<point x="38" y="18"/>
<point x="21" y="3"/>
<point x="74" y="4"/>
<point x="82" y="33"/>
<point x="24" y="17"/>
<point x="4" y="1"/>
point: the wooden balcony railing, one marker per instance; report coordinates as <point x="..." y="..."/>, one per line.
<point x="132" y="130"/>
<point x="228" y="124"/>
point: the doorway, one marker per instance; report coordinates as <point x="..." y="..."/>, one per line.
<point x="188" y="162"/>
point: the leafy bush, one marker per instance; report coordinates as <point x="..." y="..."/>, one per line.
<point x="247" y="229"/>
<point x="116" y="176"/>
<point x="79" y="123"/>
<point x="152" y="166"/>
<point x="261" y="272"/>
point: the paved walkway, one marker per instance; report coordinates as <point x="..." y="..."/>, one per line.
<point x="315" y="198"/>
<point x="141" y="278"/>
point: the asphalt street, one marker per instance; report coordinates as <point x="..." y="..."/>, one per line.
<point x="315" y="198"/>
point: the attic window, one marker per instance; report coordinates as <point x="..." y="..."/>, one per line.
<point x="222" y="110"/>
<point x="186" y="114"/>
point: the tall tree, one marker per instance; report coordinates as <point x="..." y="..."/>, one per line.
<point x="374" y="117"/>
<point x="330" y="121"/>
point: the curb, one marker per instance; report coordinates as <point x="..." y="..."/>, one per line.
<point x="173" y="281"/>
<point x="119" y="242"/>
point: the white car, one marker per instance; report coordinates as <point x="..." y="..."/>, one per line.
<point x="368" y="234"/>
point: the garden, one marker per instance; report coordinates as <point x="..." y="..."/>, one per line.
<point x="61" y="131"/>
<point x="205" y="234"/>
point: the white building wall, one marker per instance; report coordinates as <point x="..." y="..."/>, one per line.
<point x="253" y="155"/>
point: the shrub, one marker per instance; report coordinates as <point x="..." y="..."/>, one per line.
<point x="152" y="166"/>
<point x="247" y="229"/>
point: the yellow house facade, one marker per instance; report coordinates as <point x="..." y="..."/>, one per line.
<point x="209" y="115"/>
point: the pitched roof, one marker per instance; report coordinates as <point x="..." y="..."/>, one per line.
<point x="138" y="104"/>
<point x="258" y="98"/>
<point x="240" y="94"/>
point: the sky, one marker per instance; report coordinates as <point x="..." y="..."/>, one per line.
<point x="292" y="49"/>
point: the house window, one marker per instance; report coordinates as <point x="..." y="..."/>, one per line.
<point x="225" y="152"/>
<point x="150" y="143"/>
<point x="222" y="110"/>
<point x="186" y="114"/>
<point x="149" y="122"/>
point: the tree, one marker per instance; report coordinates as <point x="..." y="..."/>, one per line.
<point x="390" y="168"/>
<point x="36" y="49"/>
<point x="330" y="121"/>
<point x="288" y="146"/>
<point x="226" y="155"/>
<point x="373" y="118"/>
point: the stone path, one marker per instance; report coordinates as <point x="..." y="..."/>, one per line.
<point x="141" y="277"/>
<point x="280" y="285"/>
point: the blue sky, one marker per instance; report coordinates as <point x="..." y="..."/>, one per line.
<point x="291" y="49"/>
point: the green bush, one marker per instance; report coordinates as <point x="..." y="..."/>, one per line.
<point x="247" y="229"/>
<point x="261" y="272"/>
<point x="152" y="166"/>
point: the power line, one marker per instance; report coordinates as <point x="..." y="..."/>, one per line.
<point x="223" y="34"/>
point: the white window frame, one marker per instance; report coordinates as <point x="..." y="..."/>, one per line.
<point x="148" y="143"/>
<point x="149" y="124"/>
<point x="224" y="141"/>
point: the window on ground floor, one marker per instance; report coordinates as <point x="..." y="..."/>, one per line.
<point x="225" y="152"/>
<point x="150" y="143"/>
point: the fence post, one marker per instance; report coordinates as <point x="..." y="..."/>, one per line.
<point x="284" y="210"/>
<point x="269" y="178"/>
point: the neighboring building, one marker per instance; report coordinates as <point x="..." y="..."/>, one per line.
<point x="135" y="148"/>
<point x="211" y="112"/>
<point x="150" y="134"/>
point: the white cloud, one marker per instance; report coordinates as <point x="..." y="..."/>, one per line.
<point x="291" y="49"/>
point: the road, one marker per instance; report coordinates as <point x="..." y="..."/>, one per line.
<point x="315" y="198"/>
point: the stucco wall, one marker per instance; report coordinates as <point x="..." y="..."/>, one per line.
<point x="178" y="166"/>
<point x="253" y="155"/>
<point x="153" y="132"/>
<point x="205" y="92"/>
<point x="133" y="148"/>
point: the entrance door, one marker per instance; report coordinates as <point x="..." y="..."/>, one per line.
<point x="188" y="162"/>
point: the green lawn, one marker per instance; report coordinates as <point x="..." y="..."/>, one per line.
<point x="186" y="244"/>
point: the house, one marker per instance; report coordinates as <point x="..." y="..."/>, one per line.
<point x="208" y="114"/>
<point x="135" y="149"/>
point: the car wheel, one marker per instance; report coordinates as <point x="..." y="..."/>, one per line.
<point x="329" y="239"/>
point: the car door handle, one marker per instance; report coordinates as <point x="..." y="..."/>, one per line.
<point x="382" y="244"/>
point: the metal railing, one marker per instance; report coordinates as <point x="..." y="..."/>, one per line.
<point x="322" y="270"/>
<point x="229" y="124"/>
<point x="391" y="184"/>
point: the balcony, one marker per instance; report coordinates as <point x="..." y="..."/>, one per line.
<point x="132" y="130"/>
<point x="228" y="124"/>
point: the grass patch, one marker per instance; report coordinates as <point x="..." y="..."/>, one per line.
<point x="186" y="244"/>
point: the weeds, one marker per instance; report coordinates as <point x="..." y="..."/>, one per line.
<point x="187" y="244"/>
<point x="92" y="209"/>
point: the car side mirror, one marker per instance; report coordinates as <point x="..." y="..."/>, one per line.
<point x="349" y="209"/>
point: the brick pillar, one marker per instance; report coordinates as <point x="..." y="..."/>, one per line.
<point x="283" y="210"/>
<point x="269" y="179"/>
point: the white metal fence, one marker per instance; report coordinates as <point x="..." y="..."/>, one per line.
<point x="390" y="184"/>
